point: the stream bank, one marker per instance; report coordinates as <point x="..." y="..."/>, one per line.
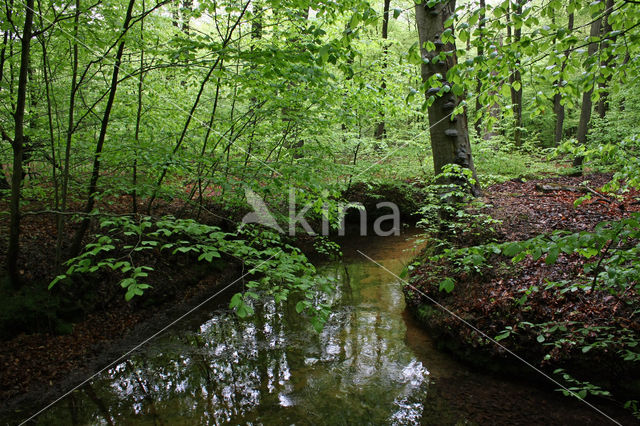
<point x="546" y="325"/>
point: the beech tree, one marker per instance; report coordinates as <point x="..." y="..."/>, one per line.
<point x="448" y="126"/>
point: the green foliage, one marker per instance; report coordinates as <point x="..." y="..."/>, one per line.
<point x="328" y="248"/>
<point x="450" y="211"/>
<point x="498" y="160"/>
<point x="280" y="93"/>
<point x="577" y="388"/>
<point x="451" y="217"/>
<point x="272" y="266"/>
<point x="622" y="156"/>
<point x="610" y="253"/>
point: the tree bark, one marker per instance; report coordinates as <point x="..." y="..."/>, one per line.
<point x="516" y="78"/>
<point x="6" y="38"/>
<point x="603" y="102"/>
<point x="136" y="137"/>
<point x="449" y="136"/>
<point x="587" y="104"/>
<point x="558" y="108"/>
<point x="52" y="142"/>
<point x="18" y="149"/>
<point x="93" y="183"/>
<point x="380" y="128"/>
<point x="69" y="139"/>
<point x="478" y="123"/>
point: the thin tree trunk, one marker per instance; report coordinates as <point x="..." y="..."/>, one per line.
<point x="478" y="124"/>
<point x="516" y="79"/>
<point x="449" y="136"/>
<point x="295" y="146"/>
<point x="47" y="86"/>
<point x="67" y="151"/>
<point x="256" y="35"/>
<point x="183" y="134"/>
<point x="603" y="102"/>
<point x="380" y="128"/>
<point x="558" y="108"/>
<point x="93" y="183"/>
<point x="187" y="10"/>
<point x="6" y="38"/>
<point x="12" y="77"/>
<point x="134" y="172"/>
<point x="205" y="143"/>
<point x="18" y="149"/>
<point x="587" y="104"/>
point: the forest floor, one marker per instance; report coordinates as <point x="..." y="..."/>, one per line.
<point x="489" y="299"/>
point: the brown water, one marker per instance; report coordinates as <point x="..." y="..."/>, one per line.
<point x="370" y="365"/>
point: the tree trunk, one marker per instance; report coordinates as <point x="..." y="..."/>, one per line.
<point x="69" y="139"/>
<point x="449" y="136"/>
<point x="587" y="104"/>
<point x="6" y="38"/>
<point x="478" y="123"/>
<point x="18" y="149"/>
<point x="380" y="128"/>
<point x="93" y="183"/>
<point x="187" y="10"/>
<point x="516" y="79"/>
<point x="558" y="108"/>
<point x="52" y="141"/>
<point x="603" y="103"/>
<point x="136" y="137"/>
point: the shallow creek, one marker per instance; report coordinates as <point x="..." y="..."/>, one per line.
<point x="372" y="364"/>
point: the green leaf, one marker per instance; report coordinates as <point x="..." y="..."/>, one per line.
<point x="317" y="323"/>
<point x="56" y="280"/>
<point x="324" y="53"/>
<point x="208" y="256"/>
<point x="236" y="300"/>
<point x="512" y="249"/>
<point x="447" y="285"/>
<point x="503" y="336"/>
<point x="552" y="256"/>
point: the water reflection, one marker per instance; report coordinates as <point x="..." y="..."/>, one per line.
<point x="273" y="368"/>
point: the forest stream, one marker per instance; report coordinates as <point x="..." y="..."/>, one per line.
<point x="372" y="364"/>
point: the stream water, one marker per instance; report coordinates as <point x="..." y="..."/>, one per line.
<point x="370" y="365"/>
